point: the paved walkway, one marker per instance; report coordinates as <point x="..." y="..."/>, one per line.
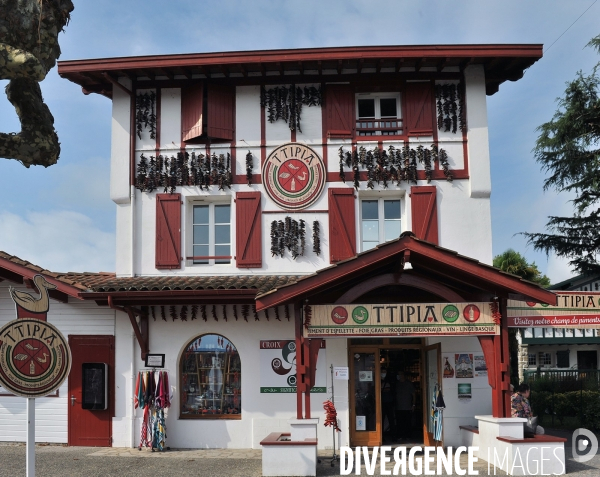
<point x="57" y="460"/>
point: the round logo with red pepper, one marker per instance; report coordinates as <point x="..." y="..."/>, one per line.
<point x="35" y="358"/>
<point x="339" y="315"/>
<point x="293" y="176"/>
<point x="471" y="313"/>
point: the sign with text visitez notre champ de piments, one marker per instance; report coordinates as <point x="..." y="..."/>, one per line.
<point x="574" y="310"/>
<point x="406" y="319"/>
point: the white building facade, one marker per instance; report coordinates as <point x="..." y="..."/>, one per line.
<point x="253" y="188"/>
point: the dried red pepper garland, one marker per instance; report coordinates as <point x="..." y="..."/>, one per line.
<point x="330" y="415"/>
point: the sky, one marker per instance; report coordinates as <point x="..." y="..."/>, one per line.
<point x="62" y="218"/>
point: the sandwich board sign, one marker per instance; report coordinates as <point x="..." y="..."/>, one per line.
<point x="35" y="358"/>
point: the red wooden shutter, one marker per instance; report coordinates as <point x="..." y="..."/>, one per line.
<point x="342" y="224"/>
<point x="168" y="231"/>
<point x="424" y="213"/>
<point x="191" y="112"/>
<point x="248" y="230"/>
<point x="219" y="121"/>
<point x="339" y="104"/>
<point x="419" y="104"/>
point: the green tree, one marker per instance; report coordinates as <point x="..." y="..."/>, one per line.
<point x="568" y="149"/>
<point x="513" y="262"/>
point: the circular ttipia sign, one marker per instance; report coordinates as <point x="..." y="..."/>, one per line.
<point x="294" y="175"/>
<point x="35" y="358"/>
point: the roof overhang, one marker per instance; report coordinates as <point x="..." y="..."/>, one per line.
<point x="501" y="63"/>
<point x="23" y="273"/>
<point x="426" y="258"/>
<point x="173" y="297"/>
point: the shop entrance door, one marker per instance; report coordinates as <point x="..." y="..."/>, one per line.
<point x="365" y="403"/>
<point x="91" y="428"/>
<point x="372" y="421"/>
<point x="432" y="357"/>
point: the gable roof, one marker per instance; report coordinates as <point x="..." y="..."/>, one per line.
<point x="501" y="62"/>
<point x="425" y="257"/>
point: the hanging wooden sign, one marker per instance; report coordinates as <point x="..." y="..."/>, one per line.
<point x="35" y="358"/>
<point x="406" y="319"/>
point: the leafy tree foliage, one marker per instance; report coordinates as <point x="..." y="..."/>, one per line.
<point x="568" y="149"/>
<point x="513" y="262"/>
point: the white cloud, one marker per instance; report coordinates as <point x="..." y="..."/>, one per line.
<point x="59" y="241"/>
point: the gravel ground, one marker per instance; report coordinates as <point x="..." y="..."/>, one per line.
<point x="57" y="460"/>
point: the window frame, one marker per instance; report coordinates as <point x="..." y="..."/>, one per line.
<point x="181" y="373"/>
<point x="212" y="259"/>
<point x="380" y="217"/>
<point x="377" y="131"/>
<point x="529" y="359"/>
<point x="544" y="358"/>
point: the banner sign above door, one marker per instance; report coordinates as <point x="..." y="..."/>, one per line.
<point x="574" y="310"/>
<point x="406" y="319"/>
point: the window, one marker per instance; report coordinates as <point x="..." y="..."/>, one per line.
<point x="562" y="359"/>
<point x="378" y="114"/>
<point x="211" y="235"/>
<point x="545" y="358"/>
<point x="380" y="221"/>
<point x="211" y="378"/>
<point x="531" y="359"/>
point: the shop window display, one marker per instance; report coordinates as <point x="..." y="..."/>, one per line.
<point x="210" y="376"/>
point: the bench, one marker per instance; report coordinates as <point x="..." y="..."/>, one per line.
<point x="536" y="439"/>
<point x="469" y="436"/>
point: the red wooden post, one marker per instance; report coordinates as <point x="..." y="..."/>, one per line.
<point x="505" y="359"/>
<point x="298" y="323"/>
<point x="307" y="382"/>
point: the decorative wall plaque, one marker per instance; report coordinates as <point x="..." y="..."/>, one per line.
<point x="293" y="176"/>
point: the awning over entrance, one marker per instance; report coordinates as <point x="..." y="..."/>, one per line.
<point x="433" y="270"/>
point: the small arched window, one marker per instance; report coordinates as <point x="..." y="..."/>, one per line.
<point x="210" y="374"/>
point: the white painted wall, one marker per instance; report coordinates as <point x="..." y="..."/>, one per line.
<point x="261" y="413"/>
<point x="462" y="412"/>
<point x="463" y="205"/>
<point x="73" y="318"/>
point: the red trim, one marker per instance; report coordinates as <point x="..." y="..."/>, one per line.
<point x="531" y="440"/>
<point x="272" y="440"/>
<point x="472" y="429"/>
<point x="306" y="54"/>
<point x="437" y="175"/>
<point x="424" y="256"/>
<point x="28" y="273"/>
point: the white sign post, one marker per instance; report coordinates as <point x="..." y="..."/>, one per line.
<point x="35" y="358"/>
<point x="30" y="460"/>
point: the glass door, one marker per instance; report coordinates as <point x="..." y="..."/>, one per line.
<point x="365" y="406"/>
<point x="431" y="359"/>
